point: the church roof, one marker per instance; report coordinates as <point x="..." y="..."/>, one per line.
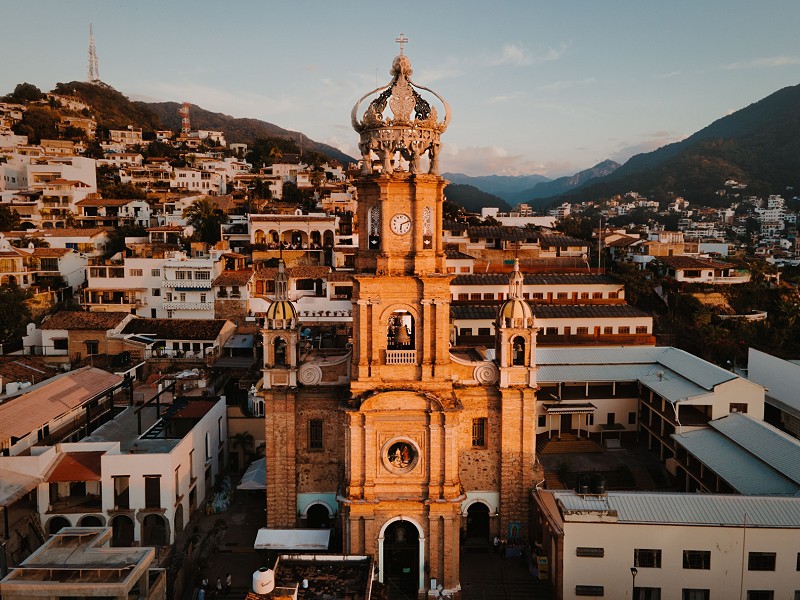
<point x="281" y="309"/>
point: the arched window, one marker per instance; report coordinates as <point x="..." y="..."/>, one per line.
<point x="260" y="238"/>
<point x="518" y="351"/>
<point x="280" y="352"/>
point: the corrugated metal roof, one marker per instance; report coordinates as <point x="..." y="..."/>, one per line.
<point x="700" y="371"/>
<point x="744" y="472"/>
<point x="672" y="386"/>
<point x="688" y="509"/>
<point x="606" y="355"/>
<point x="551" y="279"/>
<point x="777" y="449"/>
<point x="589" y="373"/>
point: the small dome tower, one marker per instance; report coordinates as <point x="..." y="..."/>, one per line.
<point x="280" y="336"/>
<point x="515" y="336"/>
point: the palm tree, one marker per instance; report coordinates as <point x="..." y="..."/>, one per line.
<point x="206" y="219"/>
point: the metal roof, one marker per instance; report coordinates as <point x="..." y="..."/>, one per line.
<point x="741" y="470"/>
<point x="590" y="373"/>
<point x="774" y="447"/>
<point x="606" y="355"/>
<point x="687" y="509"/>
<point x="550" y="279"/>
<point x="700" y="371"/>
<point x="672" y="386"/>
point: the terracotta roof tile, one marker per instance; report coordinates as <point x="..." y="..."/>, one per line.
<point x="76" y="466"/>
<point x="41" y="404"/>
<point x="105" y="202"/>
<point x="50" y="252"/>
<point x="176" y="329"/>
<point x="233" y="278"/>
<point x="84" y="321"/>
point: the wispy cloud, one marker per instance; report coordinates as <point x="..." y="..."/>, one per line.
<point x="517" y="55"/>
<point x="491" y="160"/>
<point x="668" y="75"/>
<point x="765" y="63"/>
<point x="502" y="98"/>
<point x="560" y="85"/>
<point x="647" y="143"/>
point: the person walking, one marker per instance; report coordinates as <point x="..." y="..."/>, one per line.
<point x="228" y="583"/>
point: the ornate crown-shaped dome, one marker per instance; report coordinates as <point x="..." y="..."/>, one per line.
<point x="413" y="128"/>
<point x="281" y="310"/>
<point x="515" y="312"/>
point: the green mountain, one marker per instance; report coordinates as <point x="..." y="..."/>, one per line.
<point x="473" y="199"/>
<point x="113" y="110"/>
<point x="758" y="145"/>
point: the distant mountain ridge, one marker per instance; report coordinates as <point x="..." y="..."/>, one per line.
<point x="562" y="185"/>
<point x="758" y="145"/>
<point x="472" y="198"/>
<point x="502" y="186"/>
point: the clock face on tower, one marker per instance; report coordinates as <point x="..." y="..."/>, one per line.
<point x="400" y="224"/>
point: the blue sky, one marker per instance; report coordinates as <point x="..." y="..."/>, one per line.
<point x="535" y="87"/>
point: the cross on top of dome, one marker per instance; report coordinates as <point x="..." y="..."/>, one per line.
<point x="400" y="121"/>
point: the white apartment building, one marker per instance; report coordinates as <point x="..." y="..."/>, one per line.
<point x="186" y="284"/>
<point x="196" y="180"/>
<point x="651" y="546"/>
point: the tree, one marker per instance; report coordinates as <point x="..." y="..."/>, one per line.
<point x="25" y="241"/>
<point x="38" y="123"/>
<point x="24" y="93"/>
<point x="206" y="219"/>
<point x="14" y="314"/>
<point x="9" y="219"/>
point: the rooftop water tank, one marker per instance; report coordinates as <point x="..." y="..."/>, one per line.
<point x="263" y="581"/>
<point x="12" y="387"/>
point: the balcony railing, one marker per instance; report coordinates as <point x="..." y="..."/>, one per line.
<point x="401" y="357"/>
<point x="188" y="305"/>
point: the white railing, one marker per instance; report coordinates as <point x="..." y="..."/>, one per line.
<point x="401" y="357"/>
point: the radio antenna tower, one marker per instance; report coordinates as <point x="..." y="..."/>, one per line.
<point x="94" y="70"/>
<point x="183" y="111"/>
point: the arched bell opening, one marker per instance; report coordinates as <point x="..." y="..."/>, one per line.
<point x="518" y="351"/>
<point x="280" y="352"/>
<point x="400" y="332"/>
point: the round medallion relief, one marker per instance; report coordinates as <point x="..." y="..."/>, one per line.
<point x="400" y="455"/>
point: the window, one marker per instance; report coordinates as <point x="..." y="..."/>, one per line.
<point x="613" y="295"/>
<point x="60" y="344"/>
<point x="463" y="269"/>
<point x="696" y="559"/>
<point x="647" y="558"/>
<point x="203" y="275"/>
<point x="315" y="441"/>
<point x="646" y="593"/>
<point x="597" y="295"/>
<point x="474" y="296"/>
<point x="180" y="275"/>
<point x="488" y="296"/>
<point x="631" y="418"/>
<point x="542" y="421"/>
<point x="761" y="561"/>
<point x="135" y="272"/>
<point x="641" y="329"/>
<point x="202" y="298"/>
<point x="155" y="292"/>
<point x="593" y="552"/>
<point x="760" y="595"/>
<point x="463" y="296"/>
<point x="479" y="433"/>
<point x="152" y="491"/>
<point x="484" y="331"/>
<point x="182" y="297"/>
<point x="92" y="347"/>
<point x="537" y="296"/>
<point x="121" y="492"/>
<point x="589" y="590"/>
<point x="551" y="331"/>
<point x="689" y="594"/>
<point x="611" y="418"/>
<point x="582" y="331"/>
<point x="798" y="561"/>
<point x="451" y="269"/>
<point x="49" y="264"/>
<point x="608" y="330"/>
<point x="155" y="272"/>
<point x="624" y="330"/>
<point x="466" y="331"/>
<point x="738" y="407"/>
<point x="177" y="483"/>
<point x="561" y="295"/>
<point x="584" y="295"/>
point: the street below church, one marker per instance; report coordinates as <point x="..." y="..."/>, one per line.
<point x="490" y="576"/>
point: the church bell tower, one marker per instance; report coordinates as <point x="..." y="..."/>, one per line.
<point x="402" y="497"/>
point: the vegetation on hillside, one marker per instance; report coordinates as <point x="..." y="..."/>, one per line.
<point x="473" y="199"/>
<point x="111" y="109"/>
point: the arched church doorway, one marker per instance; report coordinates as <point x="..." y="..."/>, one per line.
<point x="477" y="525"/>
<point x="121" y="531"/>
<point x="318" y="517"/>
<point x="56" y="523"/>
<point x="401" y="559"/>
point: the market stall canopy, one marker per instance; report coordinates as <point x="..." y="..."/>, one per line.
<point x="292" y="539"/>
<point x="255" y="478"/>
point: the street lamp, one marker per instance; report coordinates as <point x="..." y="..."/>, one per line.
<point x="634" y="571"/>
